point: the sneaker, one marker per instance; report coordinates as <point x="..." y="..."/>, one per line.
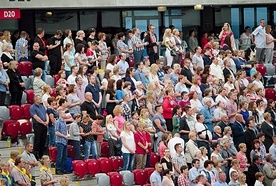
<point x="59" y="173"/>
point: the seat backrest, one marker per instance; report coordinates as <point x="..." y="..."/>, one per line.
<point x="30" y="96"/>
<point x="128" y="178"/>
<point x="13" y="129"/>
<point x="104" y="180"/>
<point x="4" y="113"/>
<point x="16" y="112"/>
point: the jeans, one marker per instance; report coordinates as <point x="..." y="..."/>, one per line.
<point x="52" y="136"/>
<point x="128" y="161"/>
<point x="2" y="98"/>
<point x="68" y="73"/>
<point x="156" y="142"/>
<point x="90" y="147"/>
<point x="269" y="55"/>
<point x="138" y="56"/>
<point x="61" y="157"/>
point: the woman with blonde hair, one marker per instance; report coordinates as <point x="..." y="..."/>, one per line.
<point x="195" y="87"/>
<point x="227" y="31"/>
<point x="105" y="51"/>
<point x="46" y="94"/>
<point x="239" y="82"/>
<point x="153" y="77"/>
<point x="119" y="119"/>
<point x="251" y="92"/>
<point x="116" y="75"/>
<point x="235" y="166"/>
<point x="6" y="56"/>
<point x="257" y="77"/>
<point x="7" y="39"/>
<point x="128" y="146"/>
<point x="242" y="179"/>
<point x="113" y="136"/>
<point x="144" y="118"/>
<point x="46" y="176"/>
<point x="169" y="42"/>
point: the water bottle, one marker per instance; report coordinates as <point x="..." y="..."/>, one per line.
<point x="77" y="183"/>
<point x="9" y="141"/>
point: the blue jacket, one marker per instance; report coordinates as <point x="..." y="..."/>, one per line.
<point x="140" y="76"/>
<point x="208" y="116"/>
<point x="238" y="133"/>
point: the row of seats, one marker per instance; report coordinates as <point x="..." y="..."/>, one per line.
<point x="16" y="128"/>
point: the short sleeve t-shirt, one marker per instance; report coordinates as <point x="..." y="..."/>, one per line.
<point x="36" y="62"/>
<point x="57" y="50"/>
<point x="129" y="138"/>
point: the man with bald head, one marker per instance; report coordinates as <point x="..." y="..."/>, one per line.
<point x="89" y="106"/>
<point x="238" y="129"/>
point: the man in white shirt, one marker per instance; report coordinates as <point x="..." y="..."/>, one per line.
<point x="222" y="96"/>
<point x="197" y="60"/>
<point x="208" y="173"/>
<point x="123" y="65"/>
<point x="260" y="40"/>
<point x="72" y="78"/>
<point x="175" y="140"/>
<point x="216" y="70"/>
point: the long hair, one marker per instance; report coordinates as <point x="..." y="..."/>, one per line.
<point x="110" y="86"/>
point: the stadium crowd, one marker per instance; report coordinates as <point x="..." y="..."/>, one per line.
<point x="202" y="109"/>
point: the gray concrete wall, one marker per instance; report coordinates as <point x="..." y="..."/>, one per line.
<point x="29" y="4"/>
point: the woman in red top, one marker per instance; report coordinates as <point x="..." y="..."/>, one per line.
<point x="168" y="104"/>
<point x="227" y="31"/>
<point x="204" y="39"/>
<point x="141" y="147"/>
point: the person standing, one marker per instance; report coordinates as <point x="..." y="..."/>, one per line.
<point x="95" y="91"/>
<point x="141" y="147"/>
<point x="40" y="32"/>
<point x="260" y="41"/>
<point x="194" y="172"/>
<point x="152" y="47"/>
<point x="40" y="121"/>
<point x="269" y="45"/>
<point x="88" y="106"/>
<point x="55" y="52"/>
<point x="75" y="133"/>
<point x="268" y="170"/>
<point x="138" y="45"/>
<point x="61" y="141"/>
<point x="98" y="132"/>
<point x="178" y="160"/>
<point x="21" y="47"/>
<point x="29" y="157"/>
<point x="4" y="84"/>
<point x="38" y="59"/>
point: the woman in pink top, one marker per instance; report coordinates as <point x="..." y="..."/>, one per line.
<point x="227" y="31"/>
<point x="119" y="120"/>
<point x="241" y="156"/>
<point x="99" y="132"/>
<point x="163" y="144"/>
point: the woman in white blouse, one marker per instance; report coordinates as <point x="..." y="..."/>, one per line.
<point x="169" y="42"/>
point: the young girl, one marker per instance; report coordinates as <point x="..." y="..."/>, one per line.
<point x="242" y="179"/>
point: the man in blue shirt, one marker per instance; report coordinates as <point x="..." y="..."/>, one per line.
<point x="222" y="179"/>
<point x="208" y="114"/>
<point x="139" y="74"/>
<point x="40" y="120"/>
<point x="123" y="65"/>
<point x="155" y="177"/>
<point x="61" y="141"/>
<point x="21" y="47"/>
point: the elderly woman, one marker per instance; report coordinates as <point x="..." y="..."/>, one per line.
<point x="16" y="85"/>
<point x="38" y="82"/>
<point x="46" y="177"/>
<point x="269" y="45"/>
<point x="191" y="148"/>
<point x="6" y="57"/>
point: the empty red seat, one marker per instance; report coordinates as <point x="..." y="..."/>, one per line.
<point x="26" y="111"/>
<point x="4" y="127"/>
<point x="25" y="68"/>
<point x="270" y="94"/>
<point x="80" y="168"/>
<point x="105" y="164"/>
<point x="105" y="149"/>
<point x="93" y="166"/>
<point x="261" y="68"/>
<point x="13" y="130"/>
<point x="26" y="127"/>
<point x="53" y="153"/>
<point x="148" y="172"/>
<point x="154" y="158"/>
<point x="16" y="112"/>
<point x="30" y="96"/>
<point x="70" y="151"/>
<point x="140" y="177"/>
<point x="117" y="163"/>
<point x="116" y="179"/>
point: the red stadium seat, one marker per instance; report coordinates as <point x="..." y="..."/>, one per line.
<point x="154" y="158"/>
<point x="148" y="172"/>
<point x="16" y="112"/>
<point x="117" y="163"/>
<point x="93" y="166"/>
<point x="53" y="153"/>
<point x="26" y="111"/>
<point x="131" y="62"/>
<point x="26" y="127"/>
<point x="140" y="177"/>
<point x="105" y="164"/>
<point x="30" y="96"/>
<point x="261" y="68"/>
<point x="56" y="78"/>
<point x="105" y="149"/>
<point x="4" y="127"/>
<point x="70" y="151"/>
<point x="25" y="68"/>
<point x="270" y="94"/>
<point x="80" y="168"/>
<point x="13" y="130"/>
<point x="116" y="179"/>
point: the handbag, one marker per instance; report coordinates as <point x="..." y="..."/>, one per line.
<point x="252" y="56"/>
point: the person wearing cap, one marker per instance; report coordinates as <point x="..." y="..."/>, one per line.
<point x="208" y="114"/>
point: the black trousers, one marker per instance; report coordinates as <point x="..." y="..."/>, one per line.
<point x="205" y="144"/>
<point x="40" y="132"/>
<point x="153" y="57"/>
<point x="16" y="98"/>
<point x="169" y="124"/>
<point x="2" y="98"/>
<point x="55" y="64"/>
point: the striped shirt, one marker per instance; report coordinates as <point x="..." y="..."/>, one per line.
<point x="136" y="40"/>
